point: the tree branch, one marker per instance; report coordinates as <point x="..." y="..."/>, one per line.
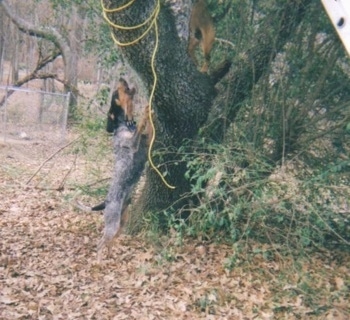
<point x="48" y="33"/>
<point x="256" y="62"/>
<point x="34" y="74"/>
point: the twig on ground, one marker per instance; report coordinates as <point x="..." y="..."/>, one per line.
<point x="61" y="186"/>
<point x="49" y="158"/>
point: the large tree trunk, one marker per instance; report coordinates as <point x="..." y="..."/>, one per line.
<point x="184" y="97"/>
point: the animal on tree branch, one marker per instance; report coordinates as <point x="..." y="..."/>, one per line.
<point x="202" y="32"/>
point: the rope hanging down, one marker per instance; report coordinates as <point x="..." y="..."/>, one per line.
<point x="152" y="20"/>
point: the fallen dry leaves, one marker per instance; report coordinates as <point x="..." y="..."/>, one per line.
<point x="48" y="267"/>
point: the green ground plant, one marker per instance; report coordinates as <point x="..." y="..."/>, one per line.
<point x="281" y="175"/>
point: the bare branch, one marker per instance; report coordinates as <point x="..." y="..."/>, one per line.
<point x="48" y="33"/>
<point x="49" y="158"/>
<point x="34" y="74"/>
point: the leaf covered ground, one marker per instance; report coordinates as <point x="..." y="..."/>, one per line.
<point x="48" y="267"/>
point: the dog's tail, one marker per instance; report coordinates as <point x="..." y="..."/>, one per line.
<point x="85" y="208"/>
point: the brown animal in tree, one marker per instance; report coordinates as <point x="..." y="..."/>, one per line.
<point x="122" y="107"/>
<point x="202" y="32"/>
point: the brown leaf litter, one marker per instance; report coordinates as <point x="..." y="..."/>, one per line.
<point x="48" y="267"/>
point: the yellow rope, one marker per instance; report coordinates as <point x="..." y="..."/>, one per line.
<point x="125" y="44"/>
<point x="117" y="9"/>
<point x="117" y="26"/>
<point x="153" y="19"/>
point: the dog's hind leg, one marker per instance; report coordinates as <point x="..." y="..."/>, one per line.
<point x="112" y="215"/>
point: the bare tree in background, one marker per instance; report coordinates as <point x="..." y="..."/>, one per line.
<point x="65" y="43"/>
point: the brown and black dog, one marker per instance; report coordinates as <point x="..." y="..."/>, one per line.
<point x="144" y="128"/>
<point x="202" y="32"/>
<point x="122" y="107"/>
<point x="132" y="146"/>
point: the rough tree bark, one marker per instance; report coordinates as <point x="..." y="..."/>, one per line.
<point x="61" y="43"/>
<point x="184" y="97"/>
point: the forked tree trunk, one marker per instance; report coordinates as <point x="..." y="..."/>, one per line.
<point x="184" y="97"/>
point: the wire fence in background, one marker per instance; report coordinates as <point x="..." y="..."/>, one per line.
<point x="33" y="115"/>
